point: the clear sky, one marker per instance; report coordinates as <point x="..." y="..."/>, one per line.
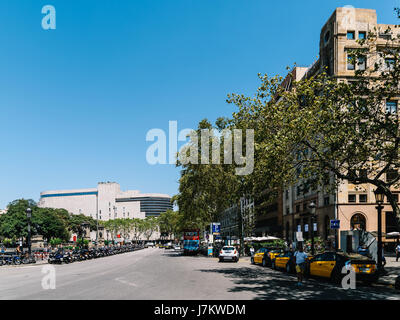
<point x="76" y="102"/>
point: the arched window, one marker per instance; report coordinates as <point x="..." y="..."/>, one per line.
<point x="358" y="222"/>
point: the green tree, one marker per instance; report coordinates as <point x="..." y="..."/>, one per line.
<point x="44" y="221"/>
<point x="205" y="190"/>
<point x="324" y="127"/>
<point x="150" y="224"/>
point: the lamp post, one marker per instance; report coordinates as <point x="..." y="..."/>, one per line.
<point x="83" y="231"/>
<point x="379" y="197"/>
<point x="312" y="206"/>
<point x="29" y="215"/>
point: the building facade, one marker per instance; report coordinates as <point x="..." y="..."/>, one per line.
<point x="107" y="202"/>
<point x="353" y="205"/>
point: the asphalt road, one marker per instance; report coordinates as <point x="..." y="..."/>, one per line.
<point x="153" y="274"/>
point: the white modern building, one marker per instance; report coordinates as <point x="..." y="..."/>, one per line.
<point x="106" y="202"/>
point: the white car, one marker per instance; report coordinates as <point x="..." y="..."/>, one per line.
<point x="177" y="247"/>
<point x="229" y="253"/>
<point x="149" y="244"/>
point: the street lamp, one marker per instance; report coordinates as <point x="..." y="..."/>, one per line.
<point x="379" y="197"/>
<point x="83" y="231"/>
<point x="29" y="215"/>
<point x="312" y="207"/>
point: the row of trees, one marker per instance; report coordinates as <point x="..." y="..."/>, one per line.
<point x="137" y="228"/>
<point x="48" y="222"/>
<point x="59" y="224"/>
<point x="321" y="132"/>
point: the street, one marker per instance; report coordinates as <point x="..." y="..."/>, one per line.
<point x="153" y="274"/>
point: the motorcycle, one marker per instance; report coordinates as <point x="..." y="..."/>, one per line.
<point x="56" y="257"/>
<point x="28" y="259"/>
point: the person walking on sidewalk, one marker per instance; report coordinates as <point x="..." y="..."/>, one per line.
<point x="397" y="251"/>
<point x="252" y="251"/>
<point x="300" y="258"/>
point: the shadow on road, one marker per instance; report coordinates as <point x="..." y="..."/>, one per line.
<point x="270" y="285"/>
<point x="179" y="254"/>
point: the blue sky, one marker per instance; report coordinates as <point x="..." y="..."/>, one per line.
<point x="76" y="102"/>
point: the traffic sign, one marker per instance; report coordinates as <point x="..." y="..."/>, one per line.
<point x="215" y="228"/>
<point x="335" y="224"/>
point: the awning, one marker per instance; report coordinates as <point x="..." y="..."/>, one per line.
<point x="268" y="238"/>
<point x="393" y="234"/>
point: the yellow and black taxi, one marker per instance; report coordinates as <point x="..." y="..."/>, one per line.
<point x="285" y="261"/>
<point x="330" y="265"/>
<point x="258" y="256"/>
<point x="270" y="256"/>
<point x="264" y="256"/>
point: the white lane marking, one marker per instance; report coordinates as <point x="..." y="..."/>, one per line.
<point x="126" y="282"/>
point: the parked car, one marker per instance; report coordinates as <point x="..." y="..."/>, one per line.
<point x="177" y="247"/>
<point x="261" y="256"/>
<point x="149" y="244"/>
<point x="270" y="255"/>
<point x="330" y="264"/>
<point x="168" y="245"/>
<point x="284" y="261"/>
<point x="229" y="253"/>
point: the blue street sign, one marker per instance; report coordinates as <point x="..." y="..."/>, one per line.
<point x="216" y="228"/>
<point x="335" y="224"/>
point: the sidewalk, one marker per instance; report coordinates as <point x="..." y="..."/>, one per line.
<point x="393" y="270"/>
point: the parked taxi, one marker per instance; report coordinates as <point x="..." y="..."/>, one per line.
<point x="284" y="261"/>
<point x="330" y="265"/>
<point x="258" y="256"/>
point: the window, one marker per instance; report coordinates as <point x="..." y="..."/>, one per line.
<point x="391" y="107"/>
<point x="350" y="35"/>
<point x="362" y="35"/>
<point x="362" y="63"/>
<point x="298" y="191"/>
<point x="363" y="173"/>
<point x="358" y="222"/>
<point x="326" y="178"/>
<point x="328" y="256"/>
<point x="363" y="198"/>
<point x="391" y="223"/>
<point x="391" y="175"/>
<point x="287" y="194"/>
<point x="352" y="198"/>
<point x="298" y="208"/>
<point x="389" y="62"/>
<point x="287" y="210"/>
<point x="385" y="36"/>
<point x="350" y="62"/>
<point x="327" y="37"/>
<point x="326" y="201"/>
<point x="396" y="197"/>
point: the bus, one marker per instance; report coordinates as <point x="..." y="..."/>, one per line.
<point x="191" y="242"/>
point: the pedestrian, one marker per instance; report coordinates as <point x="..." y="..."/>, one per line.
<point x="383" y="256"/>
<point x="251" y="250"/>
<point x="397" y="252"/>
<point x="19" y="250"/>
<point x="300" y="258"/>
